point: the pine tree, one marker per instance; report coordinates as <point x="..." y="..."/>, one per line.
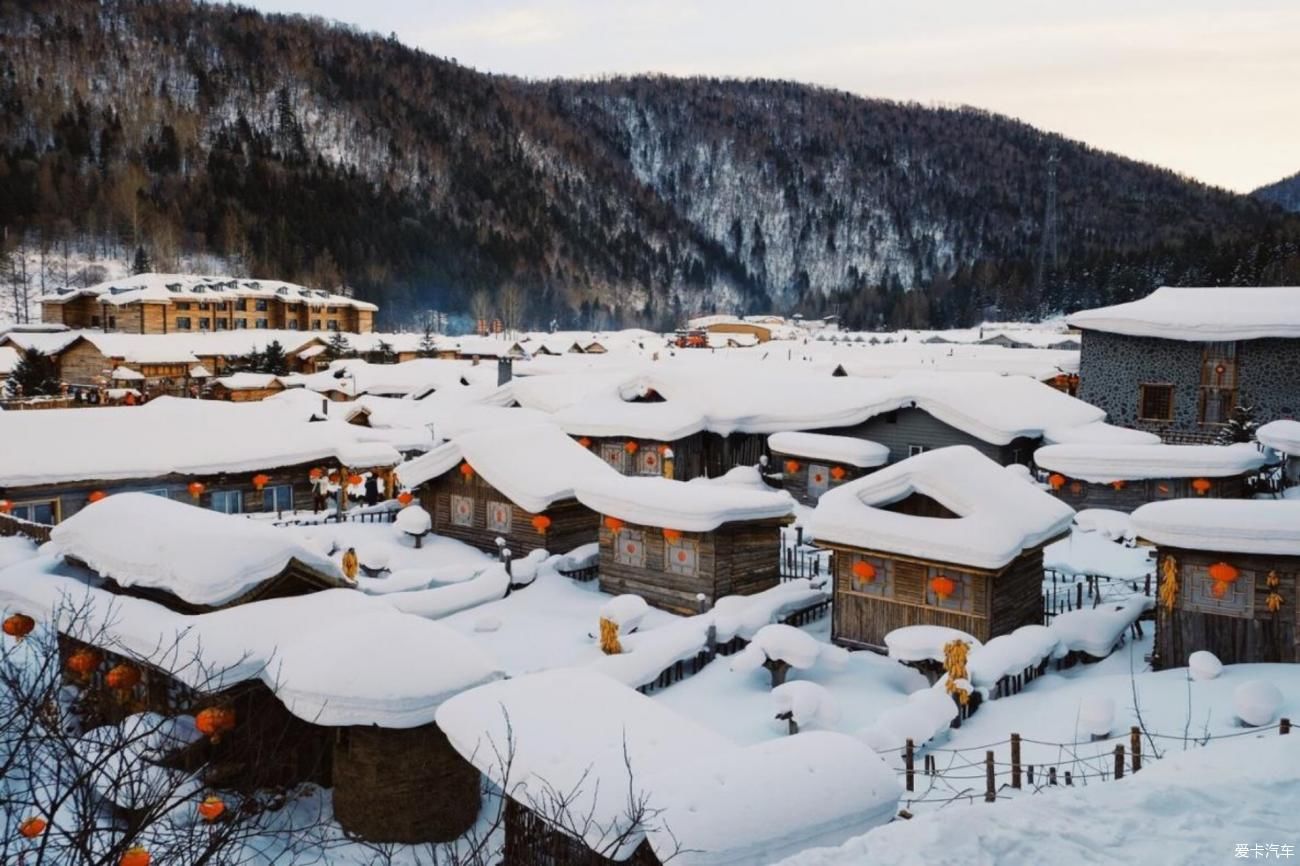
<point x="35" y="374"/>
<point x="274" y="360"/>
<point x="428" y="347"/>
<point x="338" y="347"/>
<point x="249" y="363"/>
<point x="1241" y="426"/>
<point x="141" y="263"/>
<point x="382" y="354"/>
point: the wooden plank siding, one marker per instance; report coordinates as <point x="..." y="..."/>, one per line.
<point x="740" y="558"/>
<point x="572" y="523"/>
<point x="1080" y="494"/>
<point x="902" y="429"/>
<point x="798" y="485"/>
<point x="688" y="455"/>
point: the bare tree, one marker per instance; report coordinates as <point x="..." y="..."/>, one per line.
<point x="512" y="303"/>
<point x="480" y="305"/>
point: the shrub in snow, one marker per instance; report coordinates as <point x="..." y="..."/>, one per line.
<point x="1256" y="702"/>
<point x="415" y="522"/>
<point x="1204" y="665"/>
<point x="1097" y="715"/>
<point x="781" y="647"/>
<point x="801" y="703"/>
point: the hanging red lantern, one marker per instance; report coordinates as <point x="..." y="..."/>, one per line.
<point x="864" y="571"/>
<point x="467" y="471"/>
<point x="215" y="721"/>
<point x="837" y="472"/>
<point x="32" y="827"/>
<point x="354" y="480"/>
<point x="791" y="467"/>
<point x="135" y="857"/>
<point x="613" y="524"/>
<point x="19" y="625"/>
<point x="316" y="474"/>
<point x="672" y="536"/>
<point x="196" y="489"/>
<point x="1118" y="483"/>
<point x="943" y="587"/>
<point x="6" y="506"/>
<point x="122" y="677"/>
<point x="1222" y="572"/>
<point x="95" y="496"/>
<point x="260" y="480"/>
<point x="334" y="477"/>
<point x="1201" y="486"/>
<point x="665" y="450"/>
<point x="541" y="523"/>
<point x="405" y="498"/>
<point x="631" y="446"/>
<point x="211" y="808"/>
<point x="584" y="442"/>
<point x="1056" y="480"/>
<point x="84" y="662"/>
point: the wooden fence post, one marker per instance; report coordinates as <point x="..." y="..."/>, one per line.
<point x="1051" y="776"/>
<point x="909" y="756"/>
<point x="1119" y="761"/>
<point x="1015" y="760"/>
<point x="1029" y="771"/>
<point x="1078" y="602"/>
<point x="1068" y="780"/>
<point x="1284" y="726"/>
<point x="1135" y="746"/>
<point x="990" y="783"/>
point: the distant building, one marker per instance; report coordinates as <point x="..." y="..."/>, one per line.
<point x="1177" y="361"/>
<point x="172" y="303"/>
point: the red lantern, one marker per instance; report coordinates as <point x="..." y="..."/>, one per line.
<point x="791" y="467"/>
<point x="631" y="447"/>
<point x="865" y="572"/>
<point x="95" y="496"/>
<point x="467" y="471"/>
<point x="1222" y="572"/>
<point x="541" y="523"/>
<point x="260" y="480"/>
<point x="354" y="480"/>
<point x="19" y="625"/>
<point x="1118" y="484"/>
<point x="316" y="474"/>
<point x="122" y="677"/>
<point x="334" y="477"/>
<point x="837" y="472"/>
<point x="405" y="498"/>
<point x="943" y="587"/>
<point x="584" y="442"/>
<point x="672" y="536"/>
<point x="613" y="524"/>
<point x="1201" y="486"/>
<point x="135" y="857"/>
<point x="84" y="662"/>
<point x="1056" y="480"/>
<point x="196" y="489"/>
<point x="665" y="450"/>
<point x="32" y="827"/>
<point x="211" y="808"/>
<point x="215" y="721"/>
<point x="6" y="506"/>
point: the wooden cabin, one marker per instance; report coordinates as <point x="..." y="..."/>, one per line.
<point x="1126" y="477"/>
<point x="1227" y="579"/>
<point x="945" y="538"/>
<point x="672" y="542"/>
<point x="812" y="463"/>
<point x="245" y="387"/>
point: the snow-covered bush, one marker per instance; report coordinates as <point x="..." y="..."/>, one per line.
<point x="1097" y="715"/>
<point x="801" y="704"/>
<point x="1204" y="665"/>
<point x="414" y="521"/>
<point x="781" y="647"/>
<point x="1256" y="702"/>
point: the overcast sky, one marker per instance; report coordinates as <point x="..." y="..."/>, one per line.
<point x="1205" y="87"/>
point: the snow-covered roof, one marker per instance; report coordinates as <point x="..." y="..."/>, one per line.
<point x="1283" y="436"/>
<point x="1229" y="525"/>
<point x="1103" y="463"/>
<point x="716" y="801"/>
<point x="126" y="374"/>
<point x="174" y="436"/>
<point x="201" y="556"/>
<point x="699" y="505"/>
<point x="163" y="288"/>
<point x="8" y="360"/>
<point x="998" y="514"/>
<point x="1098" y="432"/>
<point x="862" y="453"/>
<point x="1209" y="314"/>
<point x="248" y="381"/>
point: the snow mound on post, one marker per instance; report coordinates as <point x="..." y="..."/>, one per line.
<point x="200" y="556"/>
<point x="779" y="642"/>
<point x="1204" y="665"/>
<point x="625" y="611"/>
<point x="916" y="643"/>
<point x="1256" y="702"/>
<point x="414" y="520"/>
<point x="807" y="702"/>
<point x="1097" y="715"/>
<point x="922" y="717"/>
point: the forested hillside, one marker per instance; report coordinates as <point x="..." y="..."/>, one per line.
<point x="292" y="148"/>
<point x="1284" y="193"/>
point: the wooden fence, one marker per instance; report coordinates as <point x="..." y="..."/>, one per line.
<point x="10" y="525"/>
<point x="1074" y="592"/>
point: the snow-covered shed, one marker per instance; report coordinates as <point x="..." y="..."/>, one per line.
<point x="245" y="387"/>
<point x="1228" y="573"/>
<point x="644" y="785"/>
<point x="1123" y="477"/>
<point x="946" y="538"/>
<point x="513" y="481"/>
<point x="672" y="541"/>
<point x="812" y="463"/>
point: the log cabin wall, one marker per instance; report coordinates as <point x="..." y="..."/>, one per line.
<point x="905" y="430"/>
<point x="813" y="477"/>
<point x="1016" y="593"/>
<point x="900" y="595"/>
<point x="1236" y="626"/>
<point x="445" y="497"/>
<point x="688" y="455"/>
<point x="724" y="453"/>
<point x="1134" y="494"/>
<point x="531" y="840"/>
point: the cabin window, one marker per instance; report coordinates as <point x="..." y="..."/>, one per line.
<point x="315" y="324"/>
<point x="1156" y="402"/>
<point x="261" y="325"/>
<point x="499" y="516"/>
<point x="913" y="450"/>
<point x="1205" y="595"/>
<point x="205" y="324"/>
<point x="648" y="461"/>
<point x="261" y="305"/>
<point x="332" y="325"/>
<point x="1163" y="489"/>
<point x="819" y="479"/>
<point x="462" y="511"/>
<point x="614" y="454"/>
<point x="43" y="512"/>
<point x="182" y="305"/>
<point x="241" y="324"/>
<point x="158" y="491"/>
<point x="292" y="324"/>
<point x="183" y="323"/>
<point x="277" y="497"/>
<point x="682" y="557"/>
<point x="1216" y="405"/>
<point x="241" y="304"/>
<point x="222" y="324"/>
<point x="112" y="321"/>
<point x="227" y="501"/>
<point x="961" y="599"/>
<point x="94" y="321"/>
<point x="876" y="578"/>
<point x="204" y="305"/>
<point x="629" y="547"/>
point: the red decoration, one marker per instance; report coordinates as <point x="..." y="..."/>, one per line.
<point x="354" y="480"/>
<point x="1222" y="572"/>
<point x="260" y="480"/>
<point x="19" y="625"/>
<point x="1201" y="486"/>
<point x="95" y="496"/>
<point x="1056" y="480"/>
<point x="467" y="471"/>
<point x="211" y="808"/>
<point x="32" y="827"/>
<point x="6" y="506"/>
<point x="316" y="474"/>
<point x="541" y="523"/>
<point x="122" y="677"/>
<point x="196" y="489"/>
<point x="943" y="587"/>
<point x="215" y="721"/>
<point x="135" y="857"/>
<point x="791" y="467"/>
<point x="405" y="498"/>
<point x="631" y="447"/>
<point x="1118" y="483"/>
<point x="613" y="524"/>
<point x="334" y="477"/>
<point x="584" y="442"/>
<point x="84" y="662"/>
<point x="864" y="571"/>
<point x="837" y="472"/>
<point x="818" y="478"/>
<point x="681" y="556"/>
<point x="672" y="535"/>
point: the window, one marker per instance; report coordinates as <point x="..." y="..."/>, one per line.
<point x="261" y="305"/>
<point x="220" y="306"/>
<point x="614" y="454"/>
<point x="222" y="324"/>
<point x="499" y="516"/>
<point x="871" y="575"/>
<point x="332" y="325"/>
<point x="277" y="497"/>
<point x="241" y="324"/>
<point x="315" y="324"/>
<point x="1156" y="402"/>
<point x="1203" y="594"/>
<point x="629" y="547"/>
<point x="112" y="321"/>
<point x="261" y="325"/>
<point x="203" y="305"/>
<point x="292" y="324"/>
<point x="205" y="324"/>
<point x="648" y="461"/>
<point x="227" y="501"/>
<point x="819" y="479"/>
<point x="182" y="305"/>
<point x="158" y="491"/>
<point x="682" y="557"/>
<point x="183" y="323"/>
<point x="891" y="417"/>
<point x="962" y="597"/>
<point x="1216" y="405"/>
<point x="36" y="512"/>
<point x="1218" y="382"/>
<point x="462" y="511"/>
<point x="94" y="321"/>
<point x="913" y="450"/>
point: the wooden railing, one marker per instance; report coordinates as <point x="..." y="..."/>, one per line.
<point x="10" y="525"/>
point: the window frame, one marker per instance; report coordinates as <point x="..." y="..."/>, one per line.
<point x="225" y="496"/>
<point x="1142" y="402"/>
<point x="270" y="499"/>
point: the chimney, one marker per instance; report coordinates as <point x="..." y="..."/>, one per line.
<point x="505" y="370"/>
